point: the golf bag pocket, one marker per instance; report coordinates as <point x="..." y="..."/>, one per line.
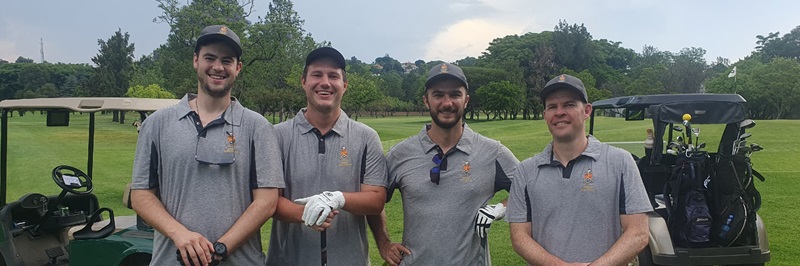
<point x="730" y="223"/>
<point x="697" y="223"/>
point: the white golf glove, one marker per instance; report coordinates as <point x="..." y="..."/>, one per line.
<point x="318" y="207"/>
<point x="487" y="215"/>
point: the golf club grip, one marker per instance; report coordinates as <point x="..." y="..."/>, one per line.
<point x="323" y="244"/>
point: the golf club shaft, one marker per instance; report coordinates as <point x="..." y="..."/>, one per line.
<point x="323" y="241"/>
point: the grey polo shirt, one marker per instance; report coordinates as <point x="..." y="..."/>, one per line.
<point x="346" y="157"/>
<point x="575" y="210"/>
<point x="439" y="220"/>
<point x="207" y="199"/>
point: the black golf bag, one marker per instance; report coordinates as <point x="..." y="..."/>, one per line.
<point x="734" y="201"/>
<point x="688" y="216"/>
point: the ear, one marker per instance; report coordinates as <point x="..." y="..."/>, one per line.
<point x="344" y="89"/>
<point x="238" y="67"/>
<point x="425" y="101"/>
<point x="587" y="109"/>
<point x="466" y="101"/>
<point x="194" y="61"/>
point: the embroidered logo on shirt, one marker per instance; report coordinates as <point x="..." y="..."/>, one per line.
<point x="344" y="159"/>
<point x="588" y="184"/>
<point x="465" y="175"/>
<point x="229" y="148"/>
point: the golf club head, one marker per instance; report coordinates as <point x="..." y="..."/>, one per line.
<point x="744" y="136"/>
<point x="747" y="123"/>
<point x="679" y="139"/>
<point x="696" y="131"/>
<point x="755" y="147"/>
<point x="672" y="152"/>
<point x="677" y="128"/>
<point x="702" y="145"/>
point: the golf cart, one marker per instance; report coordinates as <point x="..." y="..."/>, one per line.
<point x="661" y="168"/>
<point x="69" y="228"/>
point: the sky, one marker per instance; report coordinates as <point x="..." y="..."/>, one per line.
<point x="408" y="30"/>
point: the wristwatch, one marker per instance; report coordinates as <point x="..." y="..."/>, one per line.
<point x="221" y="250"/>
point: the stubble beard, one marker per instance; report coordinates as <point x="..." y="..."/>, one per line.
<point x="443" y="124"/>
<point x="226" y="89"/>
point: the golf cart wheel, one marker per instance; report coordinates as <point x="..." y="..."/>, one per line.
<point x="137" y="259"/>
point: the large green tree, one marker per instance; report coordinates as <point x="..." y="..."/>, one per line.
<point x="113" y="65"/>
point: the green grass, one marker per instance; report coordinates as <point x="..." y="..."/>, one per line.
<point x="34" y="150"/>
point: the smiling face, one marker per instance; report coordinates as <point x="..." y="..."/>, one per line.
<point x="217" y="68"/>
<point x="566" y="115"/>
<point x="324" y="85"/>
<point x="446" y="100"/>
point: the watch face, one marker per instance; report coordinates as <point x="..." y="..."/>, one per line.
<point x="220" y="249"/>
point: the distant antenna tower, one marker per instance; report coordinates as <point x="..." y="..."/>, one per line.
<point x="41" y="49"/>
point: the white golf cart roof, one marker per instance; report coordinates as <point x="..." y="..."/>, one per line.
<point x="89" y="104"/>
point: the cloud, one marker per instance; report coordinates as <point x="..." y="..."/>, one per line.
<point x="8" y="51"/>
<point x="466" y="38"/>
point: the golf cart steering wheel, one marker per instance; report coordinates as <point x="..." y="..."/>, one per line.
<point x="71" y="179"/>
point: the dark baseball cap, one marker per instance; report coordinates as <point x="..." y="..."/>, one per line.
<point x="564" y="81"/>
<point x="328" y="52"/>
<point x="219" y="33"/>
<point x="444" y="70"/>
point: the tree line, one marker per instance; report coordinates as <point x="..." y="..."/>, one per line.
<point x="503" y="82"/>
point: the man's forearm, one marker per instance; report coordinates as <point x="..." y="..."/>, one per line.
<point x="259" y="211"/>
<point x="150" y="208"/>
<point x="528" y="249"/>
<point x="633" y="239"/>
<point x="377" y="223"/>
<point x="369" y="201"/>
<point x="288" y="211"/>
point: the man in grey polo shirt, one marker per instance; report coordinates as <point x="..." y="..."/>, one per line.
<point x="446" y="174"/>
<point x="206" y="170"/>
<point x="335" y="174"/>
<point x="579" y="201"/>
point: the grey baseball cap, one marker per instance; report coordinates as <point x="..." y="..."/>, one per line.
<point x="219" y="33"/>
<point x="564" y="81"/>
<point x="446" y="70"/>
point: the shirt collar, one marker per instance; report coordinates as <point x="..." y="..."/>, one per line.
<point x="464" y="143"/>
<point x="340" y="127"/>
<point x="234" y="118"/>
<point x="546" y="156"/>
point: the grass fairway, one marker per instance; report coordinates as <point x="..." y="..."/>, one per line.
<point x="35" y="150"/>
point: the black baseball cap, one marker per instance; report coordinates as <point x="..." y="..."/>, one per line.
<point x="444" y="70"/>
<point x="564" y="81"/>
<point x="328" y="52"/>
<point x="219" y="33"/>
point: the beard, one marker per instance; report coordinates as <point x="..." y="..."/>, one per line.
<point x="226" y="89"/>
<point x="446" y="125"/>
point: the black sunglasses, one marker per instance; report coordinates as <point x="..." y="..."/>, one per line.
<point x="441" y="165"/>
<point x="216" y="150"/>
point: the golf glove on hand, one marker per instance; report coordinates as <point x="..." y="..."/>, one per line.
<point x="487" y="215"/>
<point x="318" y="207"/>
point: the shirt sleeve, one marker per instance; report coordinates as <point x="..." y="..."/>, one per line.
<point x="373" y="170"/>
<point x="146" y="161"/>
<point x="505" y="165"/>
<point x="633" y="191"/>
<point x="518" y="200"/>
<point x="266" y="165"/>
